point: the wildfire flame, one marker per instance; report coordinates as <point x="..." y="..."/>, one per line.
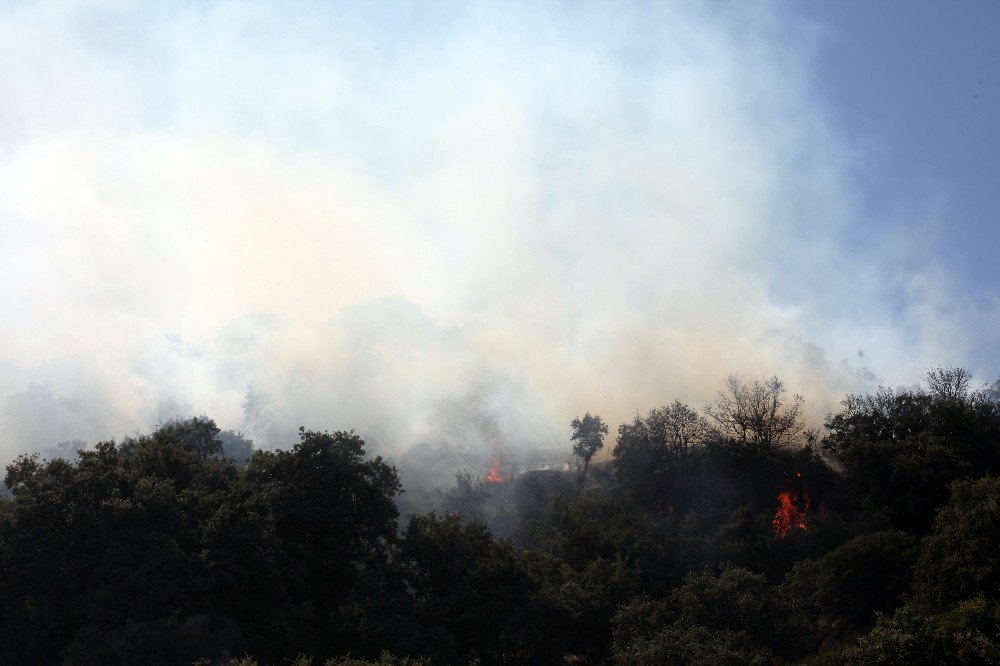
<point x="494" y="475"/>
<point x="789" y="514"/>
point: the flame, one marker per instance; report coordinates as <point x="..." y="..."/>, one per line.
<point x="658" y="507"/>
<point x="494" y="475"/>
<point x="789" y="515"/>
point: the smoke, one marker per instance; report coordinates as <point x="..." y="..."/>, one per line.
<point x="458" y="223"/>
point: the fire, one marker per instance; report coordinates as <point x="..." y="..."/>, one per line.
<point x="494" y="475"/>
<point x="789" y="514"/>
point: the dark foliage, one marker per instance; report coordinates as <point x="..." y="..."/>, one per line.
<point x="159" y="551"/>
<point x="588" y="438"/>
<point x="187" y="546"/>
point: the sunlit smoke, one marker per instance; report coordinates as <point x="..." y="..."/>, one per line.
<point x="462" y="225"/>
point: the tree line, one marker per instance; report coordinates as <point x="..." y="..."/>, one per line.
<point x="187" y="546"/>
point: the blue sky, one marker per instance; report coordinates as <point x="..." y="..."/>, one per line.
<point x="916" y="85"/>
<point x="415" y="219"/>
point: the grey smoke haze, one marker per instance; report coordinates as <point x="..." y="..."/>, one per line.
<point x="450" y="223"/>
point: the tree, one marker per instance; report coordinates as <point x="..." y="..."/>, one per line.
<point x="960" y="559"/>
<point x="597" y="524"/>
<point x="467" y="497"/>
<point x="108" y="551"/>
<point x="332" y="510"/>
<point x="756" y="415"/>
<point x="673" y="429"/>
<point x="651" y="453"/>
<point x="468" y="591"/>
<point x="945" y="382"/>
<point x="579" y="606"/>
<point x="588" y="433"/>
<point x="849" y="587"/>
<point x="237" y="446"/>
<point x="730" y="618"/>
<point x="158" y="550"/>
<point x="967" y="634"/>
<point x="900" y="450"/>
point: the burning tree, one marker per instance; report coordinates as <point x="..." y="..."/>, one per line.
<point x="494" y="475"/>
<point x="789" y="513"/>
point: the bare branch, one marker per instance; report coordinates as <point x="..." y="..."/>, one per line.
<point x="755" y="414"/>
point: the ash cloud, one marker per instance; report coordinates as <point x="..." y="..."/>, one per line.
<point x="458" y="225"/>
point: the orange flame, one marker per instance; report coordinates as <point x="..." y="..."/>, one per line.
<point x="494" y="475"/>
<point x="789" y="515"/>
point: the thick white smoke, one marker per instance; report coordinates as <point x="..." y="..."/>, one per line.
<point x="464" y="223"/>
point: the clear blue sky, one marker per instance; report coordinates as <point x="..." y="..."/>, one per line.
<point x="918" y="83"/>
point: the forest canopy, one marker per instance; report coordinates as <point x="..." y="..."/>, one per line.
<point x="727" y="535"/>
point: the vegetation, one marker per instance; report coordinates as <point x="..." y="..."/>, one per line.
<point x="588" y="435"/>
<point x="731" y="536"/>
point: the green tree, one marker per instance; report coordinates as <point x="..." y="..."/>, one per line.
<point x="333" y="513"/>
<point x="158" y="550"/>
<point x="102" y="555"/>
<point x="579" y="604"/>
<point x="237" y="446"/>
<point x="969" y="633"/>
<point x="467" y="497"/>
<point x="960" y="558"/>
<point x="651" y="452"/>
<point x="470" y="595"/>
<point x="588" y="435"/>
<point x="730" y="618"/>
<point x="846" y="589"/>
<point x="901" y="450"/>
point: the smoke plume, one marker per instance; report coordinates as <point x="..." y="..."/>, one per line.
<point x="460" y="223"/>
